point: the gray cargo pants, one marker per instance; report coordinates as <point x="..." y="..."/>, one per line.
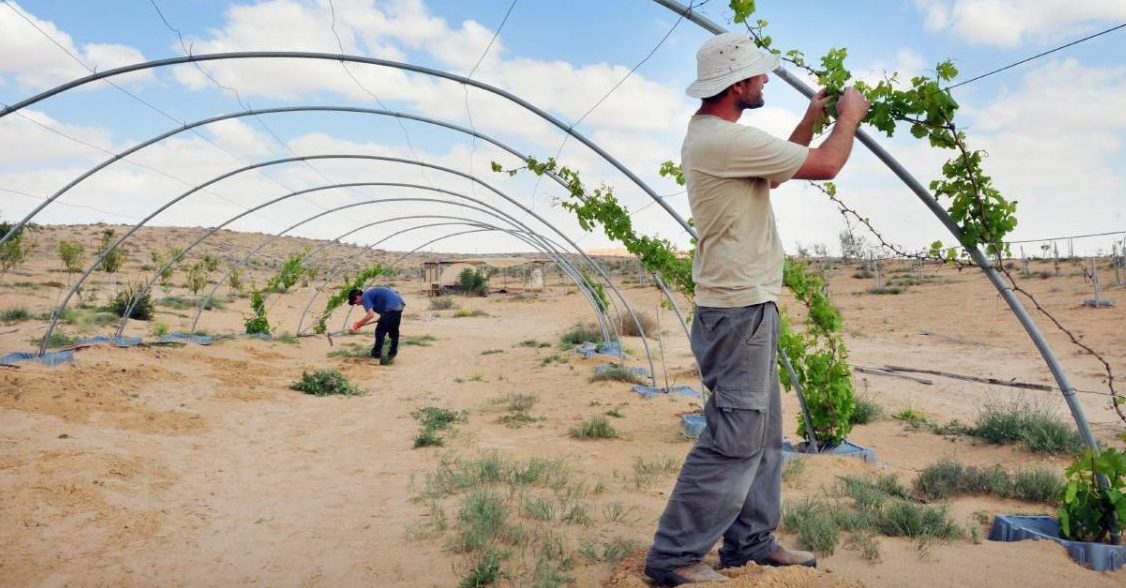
<point x="731" y="482"/>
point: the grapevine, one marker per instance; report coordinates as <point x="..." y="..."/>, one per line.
<point x="982" y="214"/>
<point x="600" y="207"/>
<point x="341" y="295"/>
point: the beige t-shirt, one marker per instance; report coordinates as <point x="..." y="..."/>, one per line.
<point x="728" y="168"/>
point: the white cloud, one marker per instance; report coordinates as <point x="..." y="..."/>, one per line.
<point x="36" y="63"/>
<point x="1009" y="23"/>
<point x="390" y="31"/>
<point x="26" y="138"/>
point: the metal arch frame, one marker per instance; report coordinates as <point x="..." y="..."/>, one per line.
<point x="569" y="129"/>
<point x="522" y="235"/>
<point x="333" y="271"/>
<point x="540" y="243"/>
<point x="119" y="241"/>
<point x="213" y="230"/>
<point x="1046" y="353"/>
<point x="500" y="215"/>
<point x="251" y="112"/>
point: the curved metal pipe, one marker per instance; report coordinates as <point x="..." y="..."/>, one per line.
<point x="557" y="258"/>
<point x="569" y="129"/>
<point x="571" y="271"/>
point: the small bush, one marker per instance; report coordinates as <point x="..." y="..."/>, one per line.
<point x="473" y="282"/>
<point x="817" y="524"/>
<point x="142" y="309"/>
<point x="85" y="319"/>
<point x="258" y="323"/>
<point x="441" y="303"/>
<point x="434" y="419"/>
<point x="865" y="412"/>
<point x="581" y="333"/>
<point x="616" y="374"/>
<point x="595" y="428"/>
<point x="324" y="383"/>
<point x="117" y="256"/>
<point x="629" y="327"/>
<point x="15" y="315"/>
<point x="1024" y="424"/>
<point x="879" y="290"/>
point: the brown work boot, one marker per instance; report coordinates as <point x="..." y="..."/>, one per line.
<point x="697" y="572"/>
<point x="788" y="557"/>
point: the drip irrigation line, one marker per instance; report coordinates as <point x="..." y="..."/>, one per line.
<point x="148" y="104"/>
<point x="1034" y="57"/>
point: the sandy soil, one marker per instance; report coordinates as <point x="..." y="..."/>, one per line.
<point x="198" y="466"/>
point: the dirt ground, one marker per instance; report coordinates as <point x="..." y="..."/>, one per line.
<point x="199" y="466"/>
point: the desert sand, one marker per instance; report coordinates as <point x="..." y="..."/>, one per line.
<point x="199" y="466"/>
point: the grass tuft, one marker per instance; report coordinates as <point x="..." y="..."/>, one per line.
<point x="15" y="315"/>
<point x="1023" y="423"/>
<point x="441" y="303"/>
<point x="325" y="383"/>
<point x="595" y="428"/>
<point x="433" y="419"/>
<point x="616" y="373"/>
<point x="949" y="478"/>
<point x="580" y="333"/>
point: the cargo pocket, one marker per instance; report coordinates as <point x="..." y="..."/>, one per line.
<point x="738" y="422"/>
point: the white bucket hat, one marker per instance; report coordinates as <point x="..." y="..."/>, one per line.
<point x="725" y="59"/>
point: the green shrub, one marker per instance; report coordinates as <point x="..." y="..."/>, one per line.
<point x="866" y="411"/>
<point x="15" y="315"/>
<point x="116" y="257"/>
<point x="464" y="312"/>
<point x="126" y="295"/>
<point x="324" y="383"/>
<point x="198" y="277"/>
<point x="441" y="303"/>
<point x="1024" y="424"/>
<point x="434" y="419"/>
<point x="73" y="254"/>
<point x="472" y="281"/>
<point x="616" y="373"/>
<point x="595" y="428"/>
<point x="257" y="323"/>
<point x="15" y="250"/>
<point x="581" y="333"/>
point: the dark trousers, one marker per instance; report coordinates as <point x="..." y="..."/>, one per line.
<point x="388" y="324"/>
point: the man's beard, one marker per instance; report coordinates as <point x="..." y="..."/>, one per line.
<point x="753" y="104"/>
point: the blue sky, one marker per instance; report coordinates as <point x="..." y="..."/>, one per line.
<point x="1053" y="127"/>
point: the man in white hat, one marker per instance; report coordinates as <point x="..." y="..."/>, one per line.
<point x="731" y="482"/>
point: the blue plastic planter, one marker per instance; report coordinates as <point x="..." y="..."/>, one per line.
<point x="1097" y="556"/>
<point x="845" y="447"/>
<point x="650" y="391"/>
<point x="693" y="424"/>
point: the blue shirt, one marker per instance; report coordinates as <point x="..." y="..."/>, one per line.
<point x="382" y="299"/>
